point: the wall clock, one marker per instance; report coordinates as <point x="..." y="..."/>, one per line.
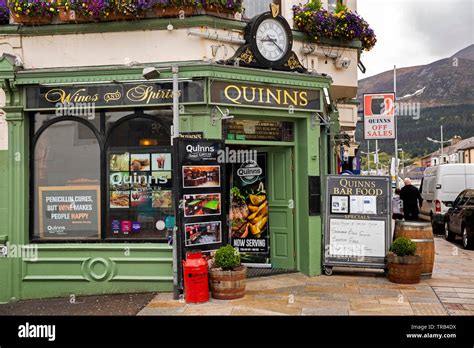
<point x="269" y="44"/>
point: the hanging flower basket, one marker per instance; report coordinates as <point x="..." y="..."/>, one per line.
<point x="4" y="12"/>
<point x="170" y="12"/>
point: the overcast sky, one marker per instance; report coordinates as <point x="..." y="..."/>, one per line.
<point x="415" y="32"/>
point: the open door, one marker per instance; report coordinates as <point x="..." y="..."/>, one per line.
<point x="280" y="202"/>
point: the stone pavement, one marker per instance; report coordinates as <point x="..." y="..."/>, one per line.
<point x="450" y="291"/>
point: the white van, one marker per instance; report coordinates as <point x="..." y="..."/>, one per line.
<point x="443" y="184"/>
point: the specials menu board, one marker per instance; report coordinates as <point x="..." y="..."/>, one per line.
<point x="69" y="212"/>
<point x="200" y="183"/>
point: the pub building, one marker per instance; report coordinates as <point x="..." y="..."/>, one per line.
<point x="88" y="180"/>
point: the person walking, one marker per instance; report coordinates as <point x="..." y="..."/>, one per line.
<point x="397" y="210"/>
<point x="412" y="200"/>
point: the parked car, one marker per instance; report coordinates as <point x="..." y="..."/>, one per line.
<point x="460" y="219"/>
<point x="440" y="186"/>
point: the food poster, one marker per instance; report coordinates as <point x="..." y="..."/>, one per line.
<point x="248" y="216"/>
<point x="140" y="193"/>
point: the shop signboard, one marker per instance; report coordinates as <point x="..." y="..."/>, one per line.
<point x="259" y="130"/>
<point x="199" y="186"/>
<point x="201" y="182"/>
<point x="357" y="221"/>
<point x="379" y="116"/>
<point x="248" y="211"/>
<point x="69" y="212"/>
<point x="265" y="96"/>
<point x="113" y="94"/>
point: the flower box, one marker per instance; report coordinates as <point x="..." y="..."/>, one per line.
<point x="169" y="12"/>
<point x="28" y="20"/>
<point x="71" y="16"/>
<point x="123" y="17"/>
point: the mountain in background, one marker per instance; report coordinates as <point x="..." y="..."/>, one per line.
<point x="448" y="100"/>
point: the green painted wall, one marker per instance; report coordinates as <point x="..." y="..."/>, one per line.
<point x="96" y="268"/>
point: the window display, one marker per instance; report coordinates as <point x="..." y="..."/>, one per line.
<point x="134" y="199"/>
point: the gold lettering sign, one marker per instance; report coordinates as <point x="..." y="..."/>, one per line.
<point x="264" y="96"/>
<point x="59" y="95"/>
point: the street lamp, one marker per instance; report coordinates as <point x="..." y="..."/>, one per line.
<point x="376" y="160"/>
<point x="441" y="142"/>
<point x="403" y="161"/>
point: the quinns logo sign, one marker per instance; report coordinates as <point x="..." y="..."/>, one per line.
<point x="379" y="116"/>
<point x="249" y="172"/>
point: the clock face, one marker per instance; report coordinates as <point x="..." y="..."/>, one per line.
<point x="272" y="39"/>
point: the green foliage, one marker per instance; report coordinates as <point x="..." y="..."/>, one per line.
<point x="314" y="5"/>
<point x="227" y="258"/>
<point x="340" y="7"/>
<point x="403" y="246"/>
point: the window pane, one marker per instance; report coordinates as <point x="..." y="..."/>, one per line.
<point x="42" y="118"/>
<point x="140" y="202"/>
<point x="67" y="183"/>
<point x="256" y="7"/>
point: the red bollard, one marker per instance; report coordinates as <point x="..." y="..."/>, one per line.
<point x="196" y="284"/>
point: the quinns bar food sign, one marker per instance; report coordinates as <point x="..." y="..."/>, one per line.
<point x="107" y="95"/>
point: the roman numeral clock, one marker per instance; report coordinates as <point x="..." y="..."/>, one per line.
<point x="269" y="44"/>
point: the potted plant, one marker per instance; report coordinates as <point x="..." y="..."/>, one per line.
<point x="128" y="9"/>
<point x="4" y="12"/>
<point x="404" y="267"/>
<point x="33" y="11"/>
<point x="343" y="24"/>
<point x="227" y="275"/>
<point x="82" y="11"/>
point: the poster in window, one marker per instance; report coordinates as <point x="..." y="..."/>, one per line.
<point x="139" y="162"/>
<point x="69" y="212"/>
<point x="119" y="162"/>
<point x="160" y="161"/>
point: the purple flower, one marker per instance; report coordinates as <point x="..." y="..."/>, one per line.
<point x="4" y="12"/>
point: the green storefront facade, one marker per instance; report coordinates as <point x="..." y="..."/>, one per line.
<point x="80" y="267"/>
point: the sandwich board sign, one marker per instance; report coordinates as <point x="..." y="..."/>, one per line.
<point x="357" y="221"/>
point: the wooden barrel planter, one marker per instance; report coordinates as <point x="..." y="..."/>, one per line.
<point x="228" y="285"/>
<point x="404" y="269"/>
<point x="422" y="234"/>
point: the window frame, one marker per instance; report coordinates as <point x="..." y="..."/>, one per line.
<point x="276" y="2"/>
<point x="102" y="136"/>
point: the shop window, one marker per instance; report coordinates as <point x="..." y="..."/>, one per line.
<point x="332" y="4"/>
<point x="256" y="7"/>
<point x="139" y="187"/>
<point x="67" y="182"/>
<point x="101" y="178"/>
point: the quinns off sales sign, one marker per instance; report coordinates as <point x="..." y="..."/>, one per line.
<point x="379" y="116"/>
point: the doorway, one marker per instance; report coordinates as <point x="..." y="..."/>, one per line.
<point x="279" y="187"/>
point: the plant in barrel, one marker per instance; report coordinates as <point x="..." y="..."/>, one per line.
<point x="404" y="266"/>
<point x="227" y="274"/>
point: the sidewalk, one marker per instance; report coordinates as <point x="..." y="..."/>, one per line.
<point x="450" y="291"/>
